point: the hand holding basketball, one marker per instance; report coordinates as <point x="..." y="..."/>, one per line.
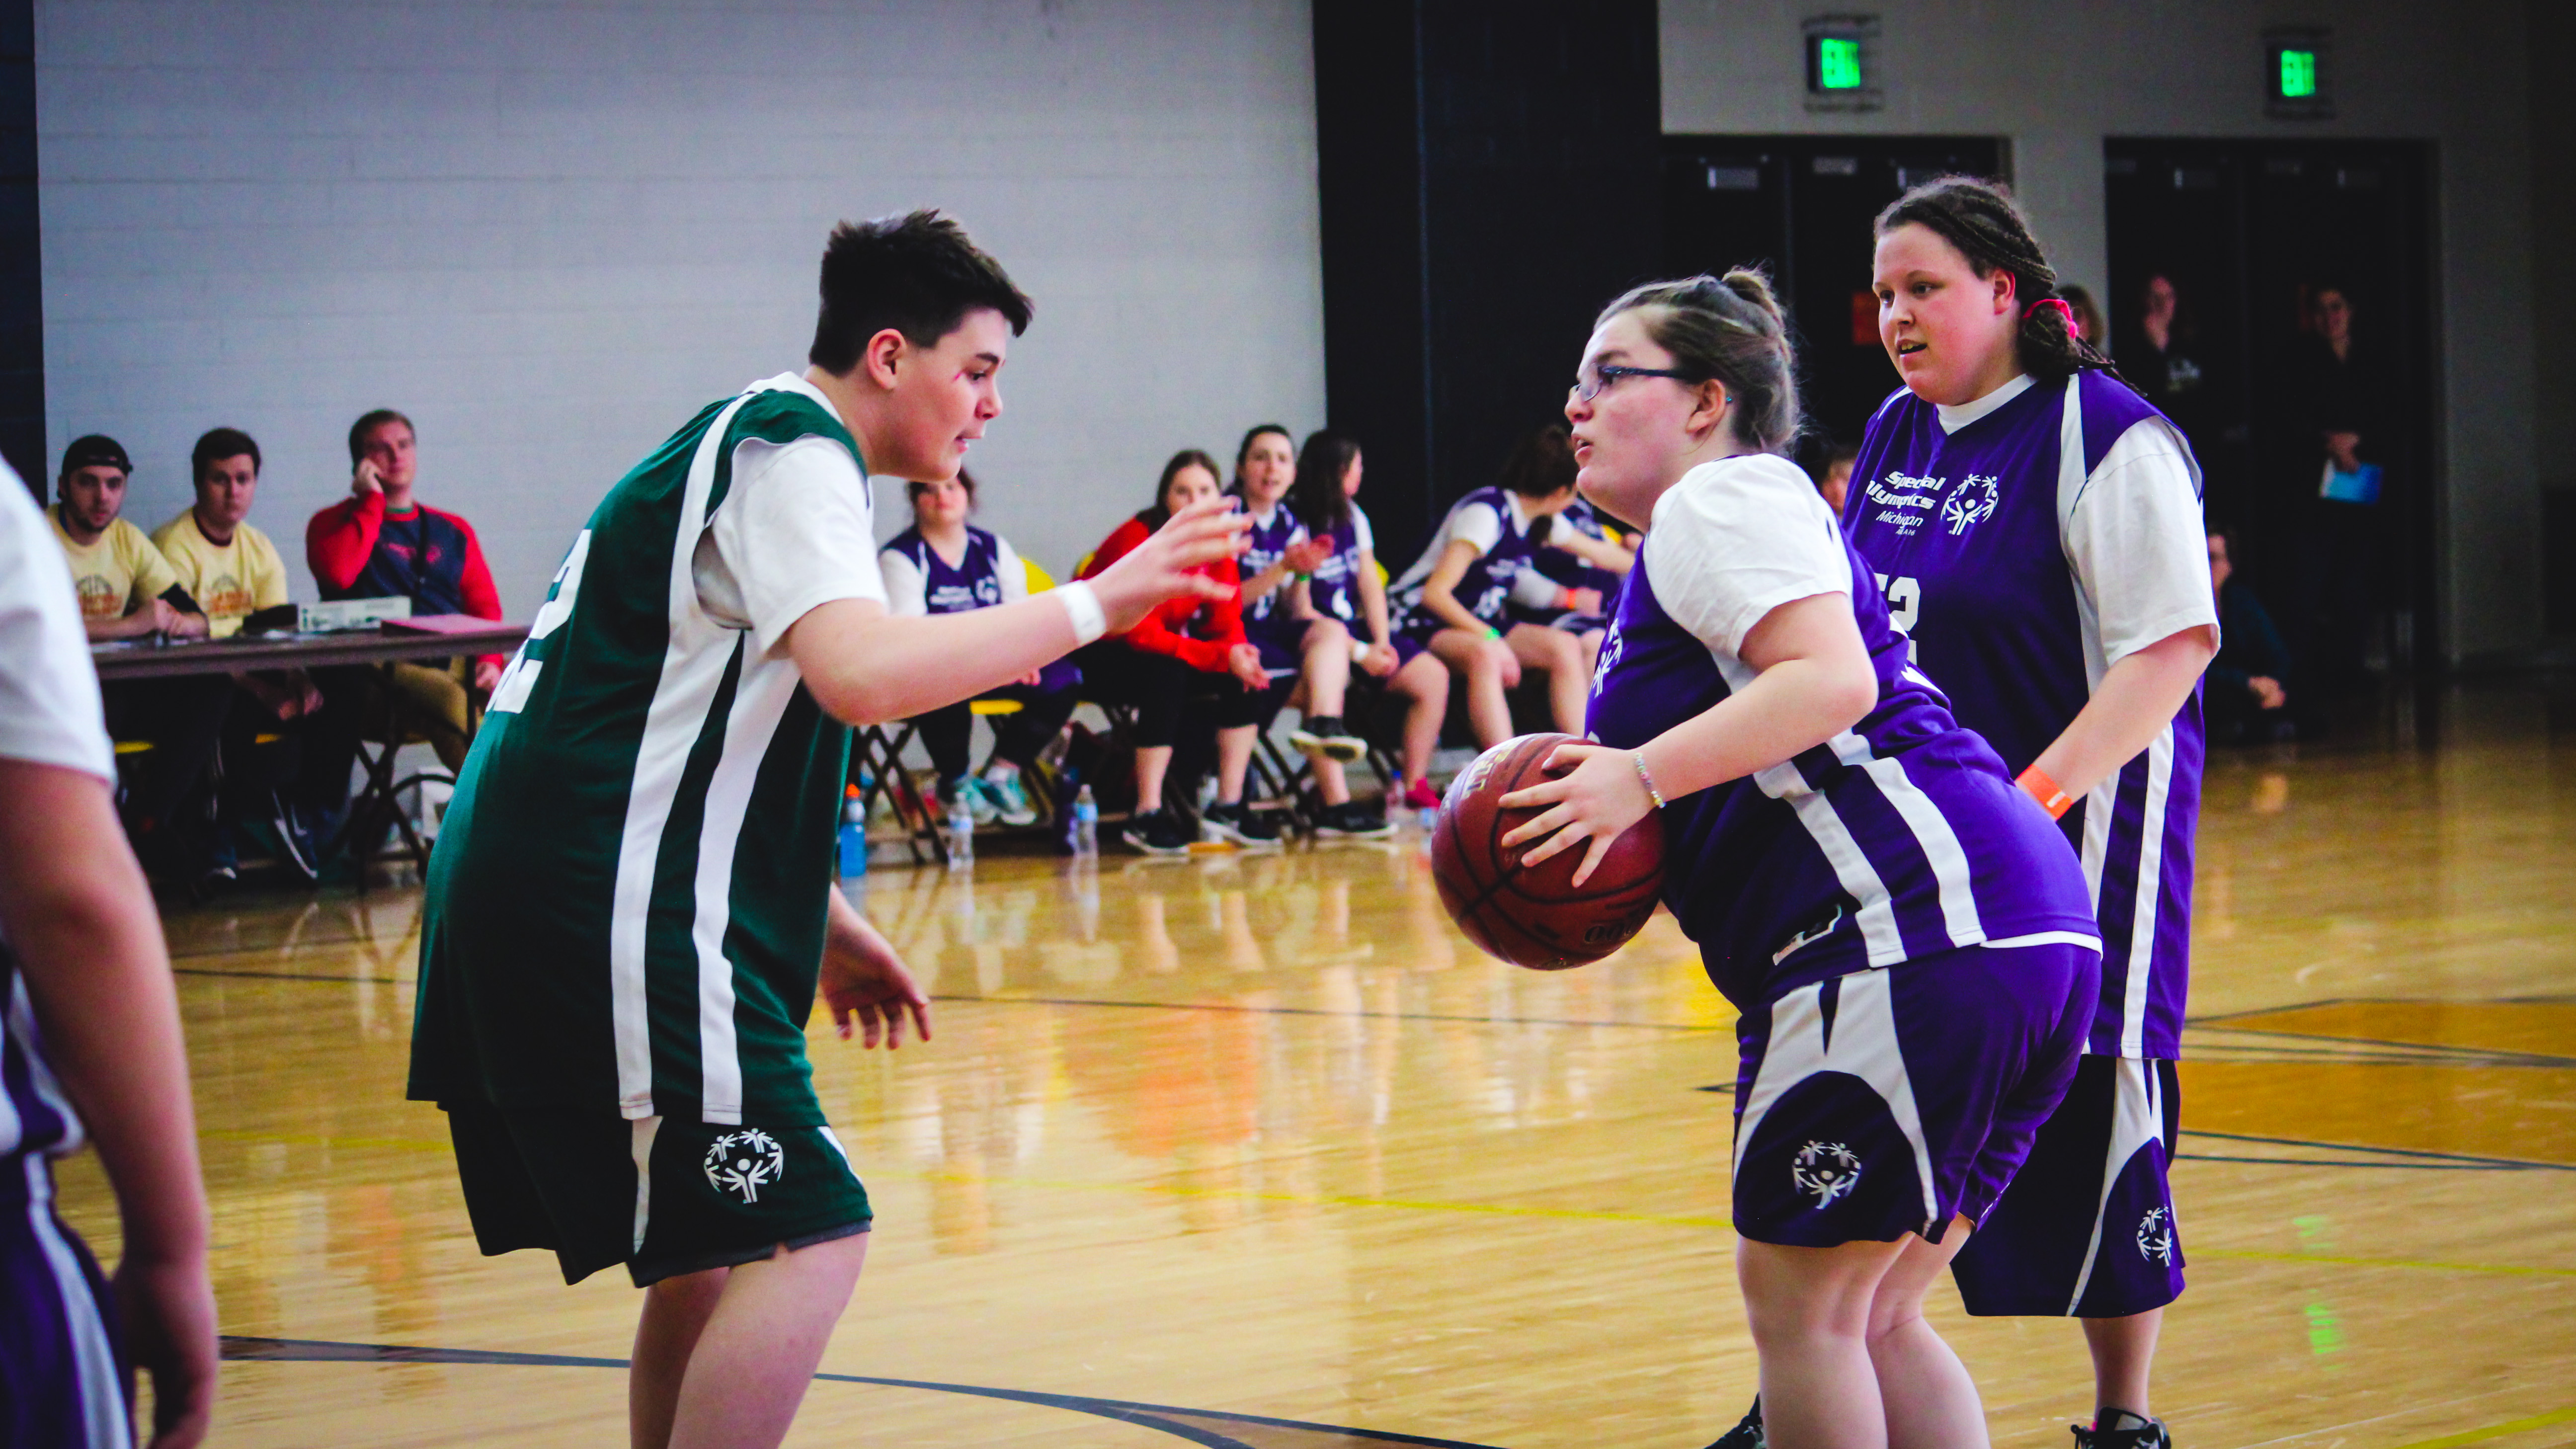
<point x="1542" y="915"/>
<point x="1595" y="796"/>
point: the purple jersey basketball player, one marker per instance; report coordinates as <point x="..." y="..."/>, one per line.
<point x="1905" y="935"/>
<point x="2036" y="525"/>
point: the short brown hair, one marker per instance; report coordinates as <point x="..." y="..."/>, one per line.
<point x="917" y="273"/>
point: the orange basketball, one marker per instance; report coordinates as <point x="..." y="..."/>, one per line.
<point x="1537" y="917"/>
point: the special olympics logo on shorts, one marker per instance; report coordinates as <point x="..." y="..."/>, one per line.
<point x="2156" y="1236"/>
<point x="1825" y="1171"/>
<point x="744" y="1162"/>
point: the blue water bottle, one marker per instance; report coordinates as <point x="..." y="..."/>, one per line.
<point x="854" y="833"/>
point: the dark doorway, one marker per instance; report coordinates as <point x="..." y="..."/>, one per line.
<point x="1802" y="205"/>
<point x="2250" y="235"/>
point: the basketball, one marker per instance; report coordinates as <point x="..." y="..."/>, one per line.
<point x="1537" y="917"/>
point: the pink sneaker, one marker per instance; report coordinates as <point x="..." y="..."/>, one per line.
<point x="1420" y="796"/>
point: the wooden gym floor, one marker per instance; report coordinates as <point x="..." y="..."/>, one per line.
<point x="1255" y="1151"/>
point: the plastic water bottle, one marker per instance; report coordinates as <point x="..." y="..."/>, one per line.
<point x="961" y="833"/>
<point x="854" y="833"/>
<point x="1086" y="823"/>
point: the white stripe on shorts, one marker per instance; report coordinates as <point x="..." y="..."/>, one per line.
<point x="1864" y="1045"/>
<point x="2137" y="1118"/>
<point x="641" y="1145"/>
<point x="101" y="1387"/>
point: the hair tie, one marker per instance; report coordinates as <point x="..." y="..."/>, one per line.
<point x="2057" y="305"/>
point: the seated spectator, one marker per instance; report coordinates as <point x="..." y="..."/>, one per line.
<point x="1346" y="590"/>
<point x="1168" y="666"/>
<point x="129" y="591"/>
<point x="1453" y="616"/>
<point x="1306" y="654"/>
<point x="1834" y="483"/>
<point x="382" y="543"/>
<point x="1574" y="551"/>
<point x="231" y="568"/>
<point x="2247" y="691"/>
<point x="944" y="565"/>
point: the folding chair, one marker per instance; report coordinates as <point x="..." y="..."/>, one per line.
<point x="876" y="766"/>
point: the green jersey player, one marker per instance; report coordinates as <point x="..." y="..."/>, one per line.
<point x="631" y="906"/>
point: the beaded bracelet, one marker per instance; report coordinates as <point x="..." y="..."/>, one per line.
<point x="1638" y="759"/>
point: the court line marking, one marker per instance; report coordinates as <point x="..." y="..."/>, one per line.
<point x="2519" y="1164"/>
<point x="2497" y="1431"/>
<point x="243" y="1348"/>
<point x="2484" y="1056"/>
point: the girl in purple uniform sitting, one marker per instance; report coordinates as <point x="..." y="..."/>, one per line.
<point x="945" y="565"/>
<point x="1903" y="933"/>
<point x="1453" y="610"/>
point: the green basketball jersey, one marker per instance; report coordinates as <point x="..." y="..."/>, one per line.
<point x="625" y="908"/>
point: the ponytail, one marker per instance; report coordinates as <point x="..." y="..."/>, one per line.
<point x="1980" y="219"/>
<point x="1727" y="330"/>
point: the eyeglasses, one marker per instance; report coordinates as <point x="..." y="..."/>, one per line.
<point x="1592" y="382"/>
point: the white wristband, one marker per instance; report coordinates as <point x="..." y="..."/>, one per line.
<point x="1082" y="607"/>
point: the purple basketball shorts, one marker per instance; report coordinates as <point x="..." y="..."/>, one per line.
<point x="2087" y="1229"/>
<point x="62" y="1376"/>
<point x="1890" y="1101"/>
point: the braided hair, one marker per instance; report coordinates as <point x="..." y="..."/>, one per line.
<point x="1728" y="329"/>
<point x="1981" y="220"/>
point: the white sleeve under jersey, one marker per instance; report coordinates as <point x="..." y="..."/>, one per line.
<point x="796" y="530"/>
<point x="49" y="704"/>
<point x="1737" y="538"/>
<point x="2133" y="536"/>
<point x="907" y="592"/>
<point x="1361" y="533"/>
<point x="1013" y="574"/>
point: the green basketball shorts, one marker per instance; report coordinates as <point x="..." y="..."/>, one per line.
<point x="662" y="1196"/>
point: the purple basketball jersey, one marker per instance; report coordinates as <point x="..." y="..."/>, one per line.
<point x="975" y="583"/>
<point x="1485" y="589"/>
<point x="1901" y="837"/>
<point x="1964" y="533"/>
<point x="1264" y="544"/>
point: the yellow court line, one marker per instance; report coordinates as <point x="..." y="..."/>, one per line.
<point x="1668" y="1220"/>
<point x="2497" y="1431"/>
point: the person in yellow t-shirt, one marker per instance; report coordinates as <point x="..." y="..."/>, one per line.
<point x="232" y="569"/>
<point x="127" y="590"/>
<point x="226" y="563"/>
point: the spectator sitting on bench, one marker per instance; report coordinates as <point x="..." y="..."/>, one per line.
<point x="129" y="591"/>
<point x="233" y="569"/>
<point x="2247" y="689"/>
<point x="382" y="542"/>
<point x="945" y="565"/>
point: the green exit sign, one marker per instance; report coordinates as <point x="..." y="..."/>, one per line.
<point x="2295" y="77"/>
<point x="1842" y="52"/>
<point x="2298" y="74"/>
<point x="1837" y="63"/>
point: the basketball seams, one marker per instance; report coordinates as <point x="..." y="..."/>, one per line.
<point x="1491" y="896"/>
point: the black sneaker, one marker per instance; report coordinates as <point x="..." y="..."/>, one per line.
<point x="1155" y="832"/>
<point x="1352" y="820"/>
<point x="2120" y="1429"/>
<point x="1238" y="823"/>
<point x="1325" y="735"/>
<point x="1746" y="1435"/>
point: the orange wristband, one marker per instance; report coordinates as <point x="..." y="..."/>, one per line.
<point x="2045" y="790"/>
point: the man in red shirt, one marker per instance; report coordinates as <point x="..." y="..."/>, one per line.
<point x="382" y="542"/>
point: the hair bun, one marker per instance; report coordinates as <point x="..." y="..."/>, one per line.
<point x="1753" y="286"/>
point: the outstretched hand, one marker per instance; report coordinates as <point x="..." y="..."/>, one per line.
<point x="865" y="984"/>
<point x="1596" y="797"/>
<point x="1163" y="566"/>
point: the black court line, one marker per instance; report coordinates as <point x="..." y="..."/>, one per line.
<point x="1078" y="1001"/>
<point x="2477" y="1056"/>
<point x="1152" y="1416"/>
<point x="2500" y="1164"/>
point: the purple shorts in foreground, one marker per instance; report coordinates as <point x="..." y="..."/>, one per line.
<point x="1890" y="1101"/>
<point x="62" y="1379"/>
<point x="2087" y="1229"/>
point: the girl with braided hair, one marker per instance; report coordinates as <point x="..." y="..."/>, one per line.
<point x="1905" y="938"/>
<point x="2036" y="524"/>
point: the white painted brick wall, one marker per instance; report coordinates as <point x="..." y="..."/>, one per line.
<point x="550" y="232"/>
